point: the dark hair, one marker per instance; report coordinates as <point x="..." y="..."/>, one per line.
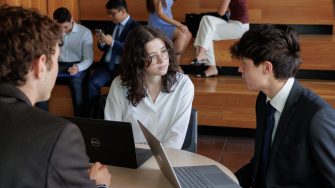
<point x="135" y="58"/>
<point x="275" y="43"/>
<point x="116" y="4"/>
<point x="62" y="15"/>
<point x="25" y="35"/>
<point x="151" y="6"/>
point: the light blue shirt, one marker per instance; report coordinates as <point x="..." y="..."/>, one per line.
<point x="278" y="102"/>
<point x="110" y="50"/>
<point x="78" y="47"/>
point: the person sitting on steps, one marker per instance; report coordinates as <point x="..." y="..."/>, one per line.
<point x="212" y="28"/>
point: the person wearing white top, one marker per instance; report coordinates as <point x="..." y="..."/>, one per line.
<point x="212" y="29"/>
<point x="150" y="89"/>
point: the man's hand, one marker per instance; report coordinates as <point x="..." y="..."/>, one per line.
<point x="100" y="174"/>
<point x="73" y="70"/>
<point x="106" y="39"/>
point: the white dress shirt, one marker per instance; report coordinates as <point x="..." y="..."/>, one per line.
<point x="78" y="47"/>
<point x="167" y="118"/>
<point x="278" y="102"/>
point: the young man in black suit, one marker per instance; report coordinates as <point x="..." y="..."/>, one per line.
<point x="37" y="149"/>
<point x="111" y="42"/>
<point x="295" y="131"/>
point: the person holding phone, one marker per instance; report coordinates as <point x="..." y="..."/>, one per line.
<point x="111" y="43"/>
<point x="76" y="56"/>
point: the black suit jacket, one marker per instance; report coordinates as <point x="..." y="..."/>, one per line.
<point x="303" y="149"/>
<point x="117" y="48"/>
<point x="38" y="149"/>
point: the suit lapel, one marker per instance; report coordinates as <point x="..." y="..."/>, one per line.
<point x="261" y="119"/>
<point x="126" y="28"/>
<point x="285" y="117"/>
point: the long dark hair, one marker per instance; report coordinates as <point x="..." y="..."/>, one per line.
<point x="135" y="59"/>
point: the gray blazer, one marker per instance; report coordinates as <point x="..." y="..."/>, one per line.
<point x="38" y="149"/>
<point x="302" y="153"/>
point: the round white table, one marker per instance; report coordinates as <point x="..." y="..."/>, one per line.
<point x="150" y="176"/>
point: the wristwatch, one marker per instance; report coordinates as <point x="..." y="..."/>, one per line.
<point x="101" y="186"/>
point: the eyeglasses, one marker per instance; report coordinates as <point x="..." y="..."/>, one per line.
<point x="112" y="13"/>
<point x="154" y="57"/>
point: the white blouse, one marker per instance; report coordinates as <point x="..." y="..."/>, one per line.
<point x="167" y="118"/>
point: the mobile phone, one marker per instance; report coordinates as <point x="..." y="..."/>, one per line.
<point x="99" y="32"/>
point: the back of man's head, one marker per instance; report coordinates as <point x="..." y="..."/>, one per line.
<point x="116" y="4"/>
<point x="25" y="35"/>
<point x="62" y="15"/>
<point x="277" y="44"/>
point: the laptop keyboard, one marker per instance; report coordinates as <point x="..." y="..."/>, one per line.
<point x="142" y="155"/>
<point x="190" y="178"/>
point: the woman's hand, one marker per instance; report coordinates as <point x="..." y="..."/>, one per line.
<point x="183" y="28"/>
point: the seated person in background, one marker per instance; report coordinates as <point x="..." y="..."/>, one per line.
<point x="111" y="43"/>
<point x="212" y="28"/>
<point x="76" y="56"/>
<point x="295" y="131"/>
<point x="37" y="149"/>
<point x="161" y="18"/>
<point x="151" y="90"/>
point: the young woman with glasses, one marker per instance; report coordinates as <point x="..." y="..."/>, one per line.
<point x="150" y="89"/>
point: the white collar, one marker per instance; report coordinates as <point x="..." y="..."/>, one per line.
<point x="279" y="100"/>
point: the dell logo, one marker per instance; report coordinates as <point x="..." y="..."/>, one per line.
<point x="95" y="142"/>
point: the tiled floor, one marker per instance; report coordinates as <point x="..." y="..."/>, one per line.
<point x="231" y="151"/>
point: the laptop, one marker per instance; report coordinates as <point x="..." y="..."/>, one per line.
<point x="110" y="142"/>
<point x="209" y="176"/>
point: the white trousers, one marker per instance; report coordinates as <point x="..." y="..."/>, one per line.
<point x="213" y="29"/>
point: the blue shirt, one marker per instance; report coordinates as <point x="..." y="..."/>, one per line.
<point x="78" y="47"/>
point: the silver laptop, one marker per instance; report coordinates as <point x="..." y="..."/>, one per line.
<point x="110" y="142"/>
<point x="207" y="176"/>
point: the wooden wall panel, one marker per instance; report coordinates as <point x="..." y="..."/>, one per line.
<point x="260" y="11"/>
<point x="92" y="11"/>
<point x="295" y="12"/>
<point x="46" y="6"/>
<point x="97" y="11"/>
<point x="72" y="5"/>
<point x="41" y="5"/>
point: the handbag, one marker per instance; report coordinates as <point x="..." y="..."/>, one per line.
<point x="192" y="20"/>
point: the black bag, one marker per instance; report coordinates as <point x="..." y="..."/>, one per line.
<point x="98" y="107"/>
<point x="192" y="20"/>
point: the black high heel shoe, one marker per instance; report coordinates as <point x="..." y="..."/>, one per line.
<point x="197" y="62"/>
<point x="203" y="74"/>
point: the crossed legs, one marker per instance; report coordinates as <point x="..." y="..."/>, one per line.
<point x="212" y="29"/>
<point x="180" y="41"/>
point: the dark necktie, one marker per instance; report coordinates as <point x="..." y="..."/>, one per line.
<point x="108" y="57"/>
<point x="118" y="31"/>
<point x="270" y="121"/>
